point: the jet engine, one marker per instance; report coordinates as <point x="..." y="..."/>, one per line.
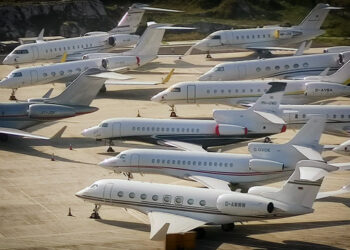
<point x="226" y="129"/>
<point x="261" y="165"/>
<point x="122" y="40"/>
<point x="120" y="61"/>
<point x="244" y="205"/>
<point x="49" y="111"/>
<point x="326" y="89"/>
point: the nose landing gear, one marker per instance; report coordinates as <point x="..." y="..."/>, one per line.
<point x="95" y="214"/>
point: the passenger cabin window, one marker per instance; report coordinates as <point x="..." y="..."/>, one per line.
<point x="120" y="194"/>
<point x="178" y="200"/>
<point x="190" y="201"/>
<point x="175" y="90"/>
<point x="132" y="195"/>
<point x="167" y="198"/>
<point x="202" y="203"/>
<point x="143" y="196"/>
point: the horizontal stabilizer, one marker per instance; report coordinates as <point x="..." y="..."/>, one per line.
<point x="167" y="223"/>
<point x="48" y="93"/>
<point x="309" y="153"/>
<point x="158" y="9"/>
<point x="111" y="75"/>
<point x="175" y="28"/>
<point x="343" y="190"/>
<point x="211" y="182"/>
<point x="17" y="132"/>
<point x="114" y="82"/>
<point x="271" y="117"/>
<point x="182" y="145"/>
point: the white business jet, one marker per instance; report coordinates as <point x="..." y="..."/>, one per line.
<point x="79" y="46"/>
<point x="178" y="209"/>
<point x="266" y="162"/>
<point x="268" y="38"/>
<point x="258" y="121"/>
<point x="232" y="93"/>
<point x="282" y="67"/>
<point x="145" y="51"/>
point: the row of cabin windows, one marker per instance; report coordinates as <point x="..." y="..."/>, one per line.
<point x="193" y="163"/>
<point x="68" y="48"/>
<point x="334" y="116"/>
<point x="70" y="71"/>
<point x="235" y="91"/>
<point x="188" y="130"/>
<point x="243" y="37"/>
<point x="295" y="66"/>
<point x="178" y="200"/>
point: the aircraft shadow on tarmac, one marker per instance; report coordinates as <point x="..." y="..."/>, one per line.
<point x="241" y="236"/>
<point x="126" y="224"/>
<point x="131" y="94"/>
<point x="344" y="201"/>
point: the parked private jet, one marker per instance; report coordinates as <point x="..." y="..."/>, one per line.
<point x="295" y="67"/>
<point x="257" y="121"/>
<point x="73" y="101"/>
<point x="145" y="51"/>
<point x="92" y="42"/>
<point x="266" y="162"/>
<point x="233" y="93"/>
<point x="267" y="38"/>
<point x="178" y="209"/>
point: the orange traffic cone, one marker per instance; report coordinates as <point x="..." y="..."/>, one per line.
<point x="70" y="147"/>
<point x="52" y="157"/>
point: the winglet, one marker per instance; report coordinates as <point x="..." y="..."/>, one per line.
<point x="59" y="133"/>
<point x="48" y="93"/>
<point x="40" y="37"/>
<point x="64" y="57"/>
<point x="167" y="78"/>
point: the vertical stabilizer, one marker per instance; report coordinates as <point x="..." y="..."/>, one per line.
<point x="82" y="90"/>
<point x="316" y="17"/>
<point x="342" y="75"/>
<point x="270" y="101"/>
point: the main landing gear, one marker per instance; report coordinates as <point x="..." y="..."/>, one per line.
<point x="267" y="140"/>
<point x="128" y="175"/>
<point x="95" y="214"/>
<point x="208" y="55"/>
<point x="228" y="227"/>
<point x="12" y="96"/>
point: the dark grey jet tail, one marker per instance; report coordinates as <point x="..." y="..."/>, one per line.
<point x="82" y="90"/>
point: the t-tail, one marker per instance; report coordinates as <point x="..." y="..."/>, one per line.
<point x="132" y="19"/>
<point x="305" y="145"/>
<point x="316" y="17"/>
<point x="82" y="90"/>
<point x="342" y="75"/>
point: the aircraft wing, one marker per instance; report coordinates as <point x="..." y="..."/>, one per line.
<point x="211" y="182"/>
<point x="343" y="190"/>
<point x="182" y="145"/>
<point x="18" y="132"/>
<point x="167" y="223"/>
<point x="271" y="117"/>
<point x="271" y="48"/>
<point x="114" y="82"/>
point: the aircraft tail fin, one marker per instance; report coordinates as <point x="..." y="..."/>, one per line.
<point x="132" y="18"/>
<point x="342" y="75"/>
<point x="82" y="90"/>
<point x="168" y="76"/>
<point x="316" y="17"/>
<point x="48" y="93"/>
<point x="40" y="38"/>
<point x="309" y="135"/>
<point x="270" y="101"/>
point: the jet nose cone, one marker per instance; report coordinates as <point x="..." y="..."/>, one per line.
<point x="203" y="78"/>
<point x="108" y="163"/>
<point x="158" y="97"/>
<point x="90" y="132"/>
<point x="85" y="132"/>
<point x="201" y="45"/>
<point x="80" y="193"/>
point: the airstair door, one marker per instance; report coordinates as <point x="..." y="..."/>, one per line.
<point x="134" y="162"/>
<point x="107" y="191"/>
<point x="35" y="52"/>
<point x="242" y="71"/>
<point x="191" y="94"/>
<point x="116" y="129"/>
<point x="34" y="76"/>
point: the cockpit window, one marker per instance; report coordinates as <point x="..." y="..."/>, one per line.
<point x="21" y="51"/>
<point x="215" y="37"/>
<point x="93" y="186"/>
<point x="220" y="69"/>
<point x="104" y="125"/>
<point x="122" y="156"/>
<point x="17" y="74"/>
<point x="176" y="90"/>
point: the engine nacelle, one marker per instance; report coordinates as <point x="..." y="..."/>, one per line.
<point x="122" y="40"/>
<point x="226" y="129"/>
<point x="49" y="111"/>
<point x="286" y="34"/>
<point x="326" y="89"/>
<point x="95" y="33"/>
<point x="261" y="165"/>
<point x="120" y="61"/>
<point x="244" y="205"/>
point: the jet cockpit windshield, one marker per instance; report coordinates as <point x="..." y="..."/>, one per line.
<point x="103" y="125"/>
<point x="221" y="68"/>
<point x="175" y="90"/>
<point x="215" y="37"/>
<point x="21" y="51"/>
<point x="16" y="74"/>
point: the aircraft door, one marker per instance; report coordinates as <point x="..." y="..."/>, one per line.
<point x="134" y="162"/>
<point x="34" y="76"/>
<point x="116" y="130"/>
<point x="242" y="71"/>
<point x="35" y="52"/>
<point x="107" y="191"/>
<point x="191" y="94"/>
